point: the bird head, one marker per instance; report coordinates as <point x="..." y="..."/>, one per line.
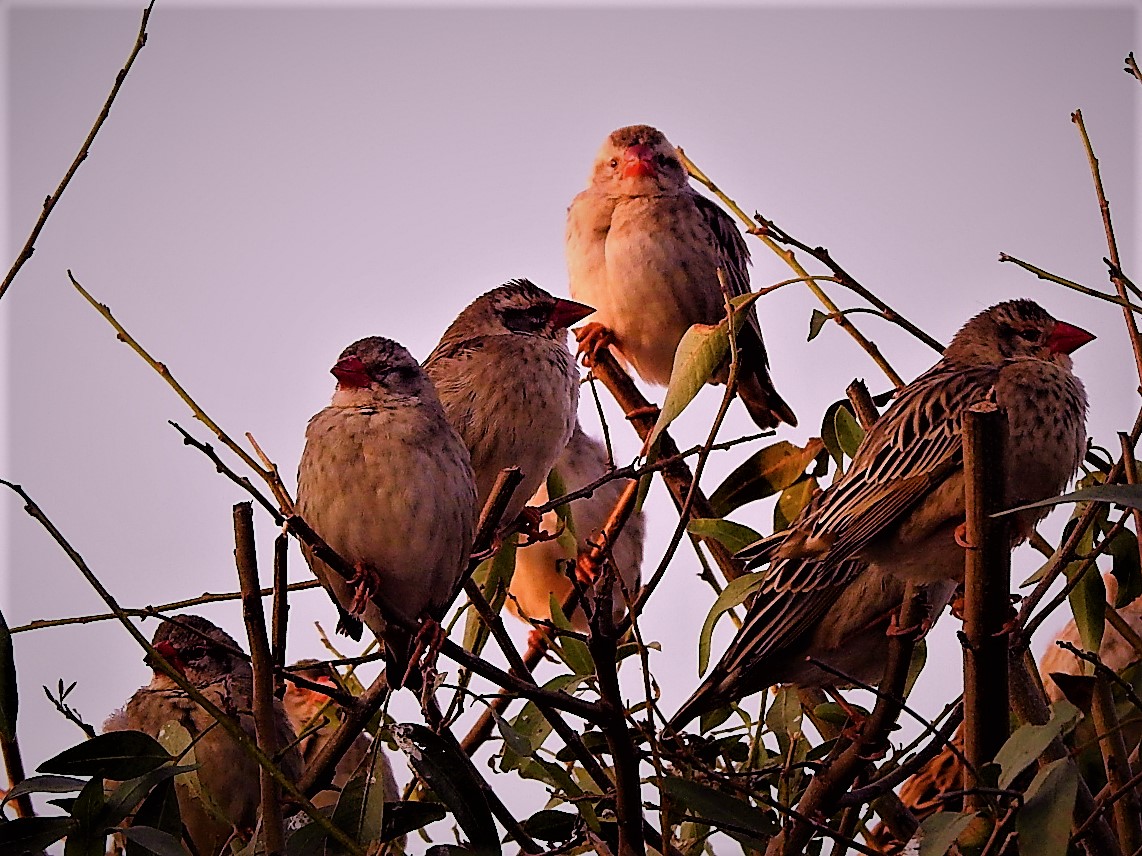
<point x="301" y="703"/>
<point x="638" y="160"/>
<point x="1016" y="330"/>
<point x="521" y="308"/>
<point x="199" y="649"/>
<point x="377" y="365"/>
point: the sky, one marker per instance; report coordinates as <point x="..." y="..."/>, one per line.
<point x="276" y="181"/>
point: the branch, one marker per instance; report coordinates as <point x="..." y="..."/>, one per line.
<point x="265" y="725"/>
<point x="987" y="584"/>
<point x="84" y="150"/>
<point x="1082" y="289"/>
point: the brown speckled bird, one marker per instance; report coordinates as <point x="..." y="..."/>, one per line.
<point x="314" y="717"/>
<point x="893" y="515"/>
<point x="220" y="799"/>
<point x="509" y="384"/>
<point x="387" y="482"/>
<point x="643" y="248"/>
<point x="537" y="567"/>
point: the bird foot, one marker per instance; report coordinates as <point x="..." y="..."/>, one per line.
<point x="916" y="630"/>
<point x="592" y="338"/>
<point x="528" y="522"/>
<point x="426" y="646"/>
<point x="586" y="571"/>
<point x="651" y="410"/>
<point x="961" y="536"/>
<point x="365" y="583"/>
<point x="538" y="640"/>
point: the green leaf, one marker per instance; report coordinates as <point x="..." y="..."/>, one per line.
<point x="941" y="830"/>
<point x="514" y="740"/>
<point x="89" y="837"/>
<point x="720" y="809"/>
<point x="9" y="697"/>
<point x="556" y="488"/>
<point x="1127" y="495"/>
<point x="829" y="430"/>
<point x="153" y="840"/>
<point x="574" y="652"/>
<point x="916" y="665"/>
<point x="703" y="348"/>
<point x="32" y="834"/>
<point x="816" y="323"/>
<point x="450" y="775"/>
<point x="402" y="818"/>
<point x="551" y="825"/>
<point x="766" y="472"/>
<point x="128" y="794"/>
<point x="849" y="432"/>
<point x="791" y="502"/>
<point x="532" y="725"/>
<point x="1044" y="822"/>
<point x="1127" y="570"/>
<point x="732" y="595"/>
<point x="45" y="785"/>
<point x="360" y="809"/>
<point x="1088" y="599"/>
<point x="734" y="536"/>
<point x="784" y="714"/>
<point x="493" y="576"/>
<point x="118" y="755"/>
<point x="159" y="811"/>
<point x="1029" y="741"/>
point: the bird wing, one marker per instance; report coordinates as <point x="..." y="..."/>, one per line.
<point x="912" y="450"/>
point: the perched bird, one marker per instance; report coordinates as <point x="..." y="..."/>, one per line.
<point x="387" y="482"/>
<point x="538" y="574"/>
<point x="644" y="248"/>
<point x="220" y="799"/>
<point x="894" y="515"/>
<point x="314" y="717"/>
<point x="509" y="384"/>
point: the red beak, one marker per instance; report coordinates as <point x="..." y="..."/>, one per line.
<point x="1066" y="338"/>
<point x="638" y="161"/>
<point x="567" y="312"/>
<point x="170" y="654"/>
<point x="350" y="372"/>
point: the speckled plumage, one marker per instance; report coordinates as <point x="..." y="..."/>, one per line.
<point x="644" y="250"/>
<point x="387" y="482"/>
<point x="509" y="385"/>
<point x="227" y="775"/>
<point x="892" y="516"/>
<point x="537" y="575"/>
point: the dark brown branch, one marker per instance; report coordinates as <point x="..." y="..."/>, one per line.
<point x="862" y="403"/>
<point x="14" y="769"/>
<point x="265" y="724"/>
<point x="50" y="202"/>
<point x="1112" y="746"/>
<point x="221" y="466"/>
<point x="280" y="617"/>
<point x="318" y="774"/>
<point x="987" y="587"/>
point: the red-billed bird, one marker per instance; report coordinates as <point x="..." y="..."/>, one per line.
<point x="644" y="248"/>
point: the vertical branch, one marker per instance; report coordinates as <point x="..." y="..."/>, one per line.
<point x="862" y="403"/>
<point x="1130" y="469"/>
<point x="1112" y="245"/>
<point x="14" y="769"/>
<point x="1127" y="816"/>
<point x="280" y="616"/>
<point x="987" y="585"/>
<point x="265" y="726"/>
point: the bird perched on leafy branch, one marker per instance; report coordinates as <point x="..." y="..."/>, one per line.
<point x="644" y="248"/>
<point x="509" y="384"/>
<point x="220" y="799"/>
<point x="387" y="482"/>
<point x="538" y="572"/>
<point x="836" y="575"/>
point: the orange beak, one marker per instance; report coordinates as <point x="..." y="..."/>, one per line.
<point x="638" y="161"/>
<point x="567" y="312"/>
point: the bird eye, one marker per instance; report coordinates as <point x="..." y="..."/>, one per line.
<point x="1028" y="335"/>
<point x="193" y="653"/>
<point x="614" y="162"/>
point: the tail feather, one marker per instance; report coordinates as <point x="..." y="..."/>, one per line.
<point x="765" y="406"/>
<point x="708" y="697"/>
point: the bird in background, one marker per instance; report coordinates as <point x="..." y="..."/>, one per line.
<point x="838" y="572"/>
<point x="538" y="567"/>
<point x="219" y="801"/>
<point x="387" y="482"/>
<point x="644" y="248"/>
<point x="509" y="384"/>
<point x="314" y="718"/>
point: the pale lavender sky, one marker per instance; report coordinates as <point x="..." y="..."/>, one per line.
<point x="275" y="182"/>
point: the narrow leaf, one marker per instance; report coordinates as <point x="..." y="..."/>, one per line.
<point x="551" y="825"/>
<point x="1044" y="822"/>
<point x="766" y="472"/>
<point x="574" y="652"/>
<point x="1127" y="495"/>
<point x="791" y="502"/>
<point x="45" y="785"/>
<point x="153" y="840"/>
<point x="402" y="818"/>
<point x="160" y="811"/>
<point x="732" y="595"/>
<point x="816" y="323"/>
<point x="1029" y="741"/>
<point x="32" y="834"/>
<point x="719" y="809"/>
<point x="9" y="697"/>
<point x="733" y="536"/>
<point x="849" y="432"/>
<point x="940" y="831"/>
<point x="118" y="755"/>
<point x="1127" y="571"/>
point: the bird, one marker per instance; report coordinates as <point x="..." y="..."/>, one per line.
<point x="314" y="716"/>
<point x="219" y="801"/>
<point x="387" y="482"/>
<point x="644" y="248"/>
<point x="509" y="384"/>
<point x="538" y="573"/>
<point x="897" y="514"/>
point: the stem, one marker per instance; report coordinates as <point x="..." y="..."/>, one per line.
<point x="265" y="724"/>
<point x="987" y="584"/>
<point x="1074" y="286"/>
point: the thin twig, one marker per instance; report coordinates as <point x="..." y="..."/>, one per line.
<point x="1074" y="286"/>
<point x="50" y="202"/>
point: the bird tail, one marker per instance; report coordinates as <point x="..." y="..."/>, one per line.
<point x="709" y="696"/>
<point x="765" y="406"/>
